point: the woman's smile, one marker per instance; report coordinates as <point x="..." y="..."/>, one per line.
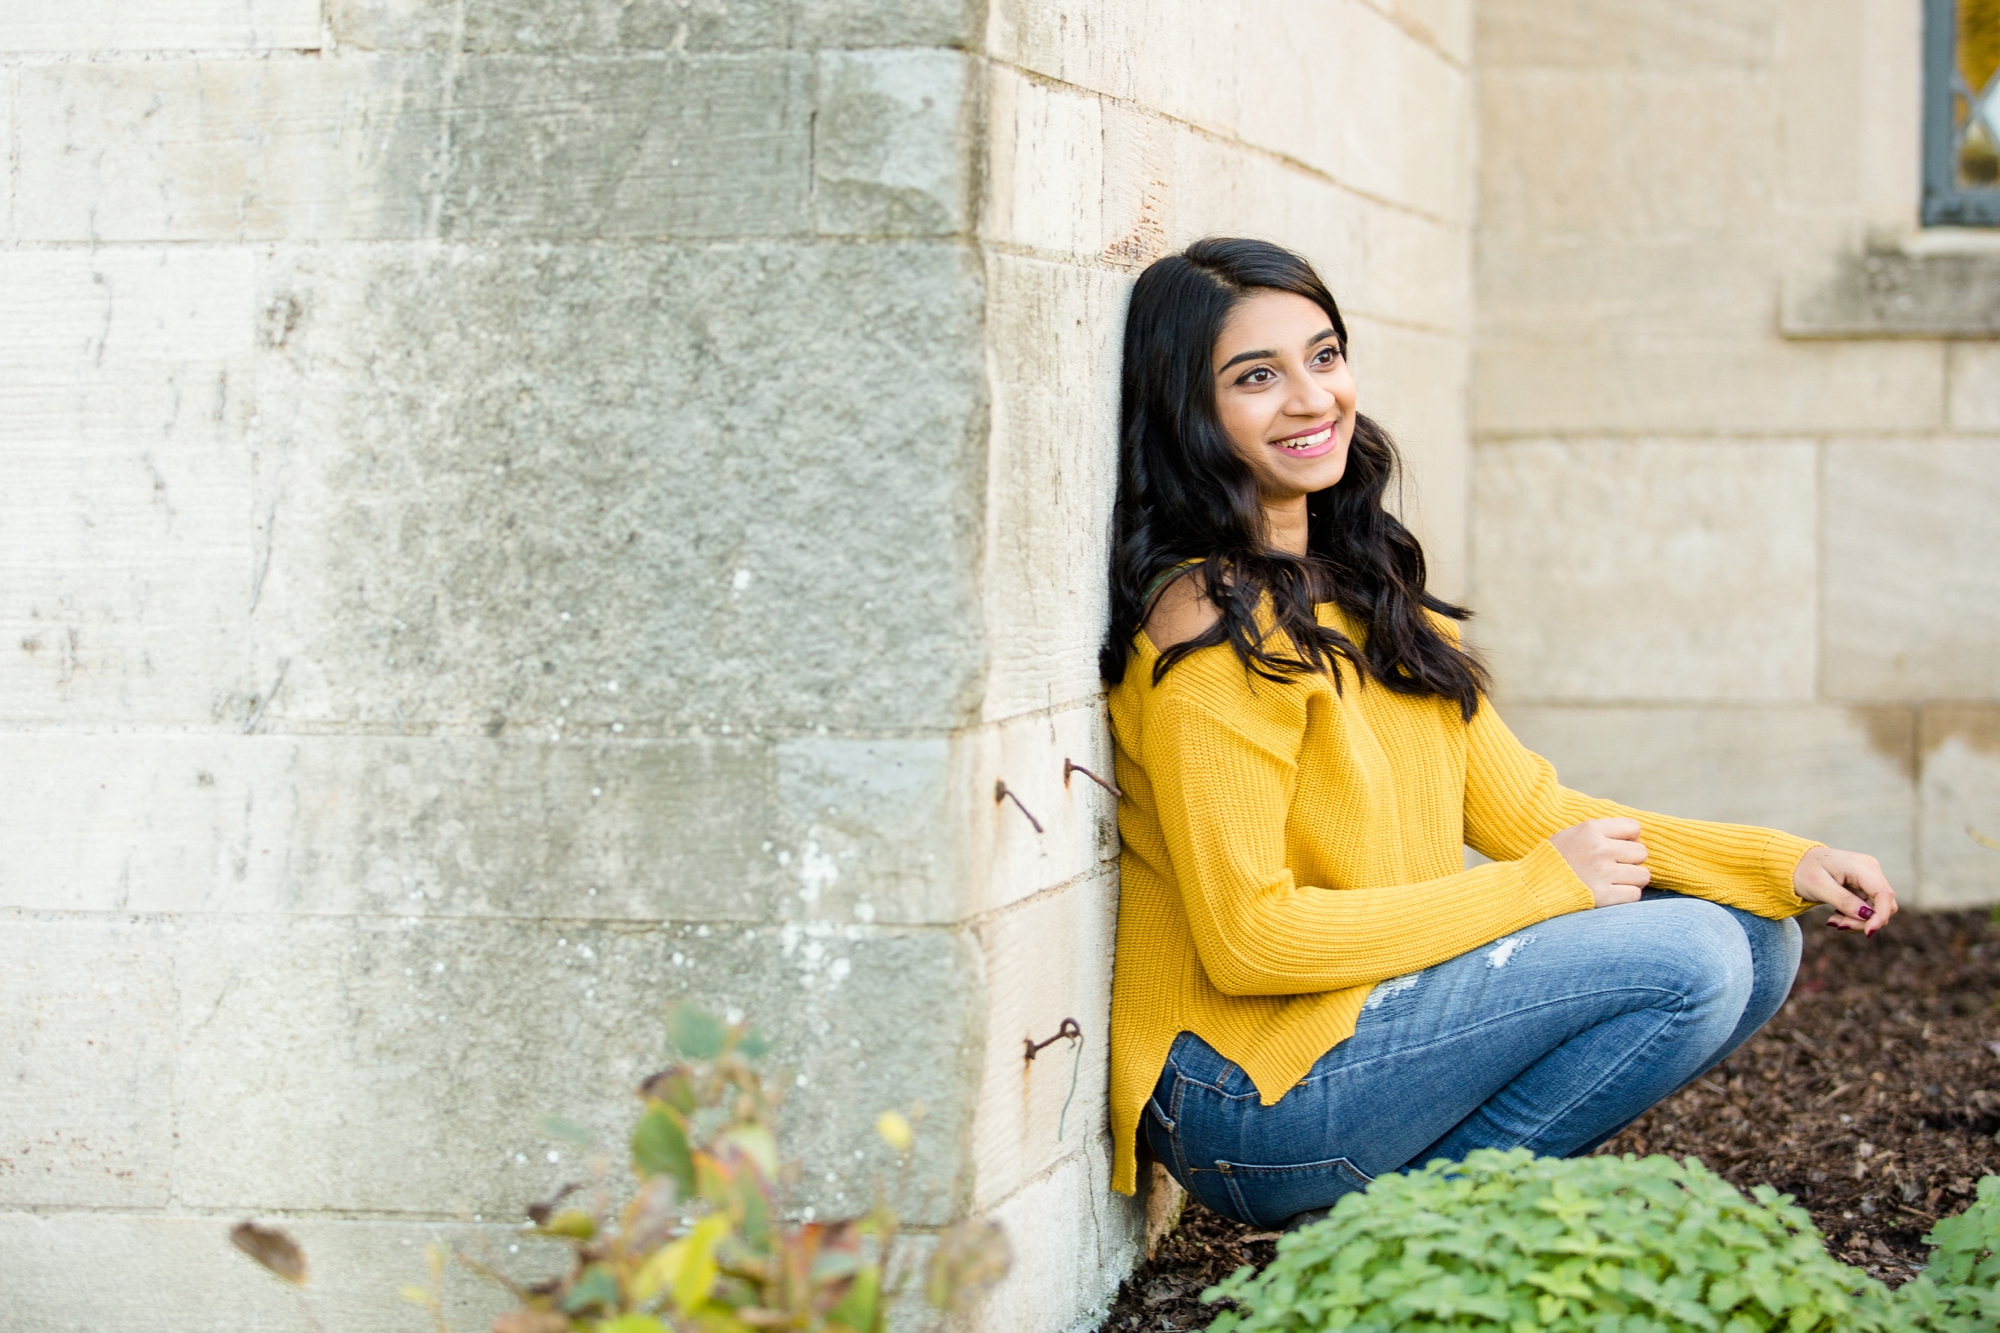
<point x="1308" y="443"/>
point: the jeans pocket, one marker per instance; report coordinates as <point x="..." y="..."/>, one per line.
<point x="1270" y="1196"/>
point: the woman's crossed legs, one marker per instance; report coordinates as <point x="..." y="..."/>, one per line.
<point x="1552" y="1039"/>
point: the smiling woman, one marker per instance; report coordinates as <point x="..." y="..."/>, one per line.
<point x="1310" y="988"/>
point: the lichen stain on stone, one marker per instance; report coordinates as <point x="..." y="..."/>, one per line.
<point x="1891" y="732"/>
<point x="1975" y="726"/>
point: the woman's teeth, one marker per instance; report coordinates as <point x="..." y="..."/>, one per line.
<point x="1312" y="441"/>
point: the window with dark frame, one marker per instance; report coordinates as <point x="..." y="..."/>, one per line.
<point x="1962" y="113"/>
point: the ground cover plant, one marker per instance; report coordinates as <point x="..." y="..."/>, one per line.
<point x="1511" y="1243"/>
<point x="1873" y="1098"/>
<point x="698" y="1239"/>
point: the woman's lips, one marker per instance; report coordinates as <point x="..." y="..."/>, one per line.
<point x="1307" y="444"/>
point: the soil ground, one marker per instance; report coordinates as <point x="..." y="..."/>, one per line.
<point x="1873" y="1098"/>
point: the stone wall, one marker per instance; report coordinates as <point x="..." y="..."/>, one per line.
<point x="1736" y="534"/>
<point x="514" y="512"/>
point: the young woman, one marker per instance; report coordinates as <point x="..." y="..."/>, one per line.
<point x="1311" y="989"/>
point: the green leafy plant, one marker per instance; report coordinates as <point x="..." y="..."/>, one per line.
<point x="701" y="1243"/>
<point x="1512" y="1243"/>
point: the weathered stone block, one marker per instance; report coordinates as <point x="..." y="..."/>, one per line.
<point x="1174" y="59"/>
<point x="653" y="25"/>
<point x="1052" y="464"/>
<point x="469" y="550"/>
<point x="299" y="1040"/>
<point x="1841" y="776"/>
<point x="867" y="829"/>
<point x="1073" y="1242"/>
<point x="126" y="560"/>
<point x="1973" y="369"/>
<point x="1044" y="961"/>
<point x="1629" y="381"/>
<point x="1887" y="293"/>
<point x="1566" y="292"/>
<point x="405" y="146"/>
<point x="1594" y="34"/>
<point x="1623" y="155"/>
<point x="177" y="1274"/>
<point x="890" y="140"/>
<point x="1007" y="858"/>
<point x="162" y="25"/>
<point x="1660" y="570"/>
<point x="1959" y="796"/>
<point x="1445" y="25"/>
<point x="1911" y="543"/>
<point x="1045" y="166"/>
<point x="86" y="1074"/>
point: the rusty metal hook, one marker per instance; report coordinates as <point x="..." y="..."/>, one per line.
<point x="1001" y="793"/>
<point x="1068" y="1029"/>
<point x="1071" y="766"/>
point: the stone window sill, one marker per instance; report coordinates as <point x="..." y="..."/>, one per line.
<point x="1941" y="283"/>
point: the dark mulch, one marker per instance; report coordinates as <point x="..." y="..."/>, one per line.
<point x="1873" y="1098"/>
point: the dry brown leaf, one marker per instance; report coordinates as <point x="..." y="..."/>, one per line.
<point x="273" y="1249"/>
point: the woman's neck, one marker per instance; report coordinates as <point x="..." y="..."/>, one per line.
<point x="1285" y="525"/>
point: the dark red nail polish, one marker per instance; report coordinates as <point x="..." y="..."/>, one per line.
<point x="1864" y="911"/>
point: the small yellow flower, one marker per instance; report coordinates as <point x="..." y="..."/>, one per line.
<point x="895" y="1130"/>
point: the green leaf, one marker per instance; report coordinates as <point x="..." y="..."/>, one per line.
<point x="857" y="1309"/>
<point x="754" y="1044"/>
<point x="632" y="1323"/>
<point x="660" y="1147"/>
<point x="696" y="1033"/>
<point x="596" y="1288"/>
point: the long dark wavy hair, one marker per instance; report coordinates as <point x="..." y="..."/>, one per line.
<point x="1185" y="494"/>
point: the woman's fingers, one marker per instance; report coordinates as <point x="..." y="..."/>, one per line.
<point x="1629" y="850"/>
<point x="1849" y="882"/>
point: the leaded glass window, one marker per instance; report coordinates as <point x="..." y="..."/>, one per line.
<point x="1962" y="112"/>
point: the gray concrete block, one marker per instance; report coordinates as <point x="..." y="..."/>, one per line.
<point x="767" y="517"/>
<point x="1842" y="776"/>
<point x="181" y="1274"/>
<point x="1910" y="542"/>
<point x="1959" y="796"/>
<point x="1890" y="294"/>
<point x="1669" y="569"/>
<point x="396" y="1064"/>
<point x="648" y="25"/>
<point x="407" y="146"/>
<point x="891" y="143"/>
<point x="86" y="1068"/>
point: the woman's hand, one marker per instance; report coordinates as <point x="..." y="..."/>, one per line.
<point x="1608" y="857"/>
<point x="1850" y="883"/>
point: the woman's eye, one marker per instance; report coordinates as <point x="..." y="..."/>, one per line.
<point x="1260" y="375"/>
<point x="1327" y="356"/>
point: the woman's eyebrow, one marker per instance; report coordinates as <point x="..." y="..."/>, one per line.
<point x="1313" y="341"/>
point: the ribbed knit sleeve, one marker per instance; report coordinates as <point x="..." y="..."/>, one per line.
<point x="1513" y="802"/>
<point x="1222" y="786"/>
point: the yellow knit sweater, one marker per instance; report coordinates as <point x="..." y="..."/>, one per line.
<point x="1287" y="846"/>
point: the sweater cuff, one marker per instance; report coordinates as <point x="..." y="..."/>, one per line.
<point x="1552" y="886"/>
<point x="1782" y="854"/>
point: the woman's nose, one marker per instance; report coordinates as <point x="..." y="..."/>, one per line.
<point x="1310" y="399"/>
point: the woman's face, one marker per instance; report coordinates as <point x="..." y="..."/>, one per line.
<point x="1284" y="394"/>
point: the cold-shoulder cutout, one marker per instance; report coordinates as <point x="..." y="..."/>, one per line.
<point x="1181" y="611"/>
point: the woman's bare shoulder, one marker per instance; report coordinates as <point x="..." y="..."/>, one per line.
<point x="1181" y="611"/>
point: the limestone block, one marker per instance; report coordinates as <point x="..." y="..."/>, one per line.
<point x="1006" y="858"/>
<point x="1624" y="155"/>
<point x="491" y="463"/>
<point x="890" y="143"/>
<point x="1403" y="132"/>
<point x="614" y="25"/>
<point x="1596" y="34"/>
<point x="1912" y="546"/>
<point x="1045" y="168"/>
<point x="1073" y="1241"/>
<point x="1631" y="381"/>
<point x="1054" y="346"/>
<point x="1176" y="59"/>
<point x="1413" y="383"/>
<point x="404" y="146"/>
<point x="1447" y="26"/>
<point x="1842" y="776"/>
<point x="1591" y="293"/>
<point x="1959" y="793"/>
<point x="181" y="1274"/>
<point x="1822" y="54"/>
<point x="299" y="1040"/>
<point x="126" y="561"/>
<point x="86" y="1077"/>
<point x="162" y="25"/>
<point x="1974" y="376"/>
<point x="1045" y="961"/>
<point x="1665" y="569"/>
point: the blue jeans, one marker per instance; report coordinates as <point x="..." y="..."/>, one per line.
<point x="1552" y="1039"/>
